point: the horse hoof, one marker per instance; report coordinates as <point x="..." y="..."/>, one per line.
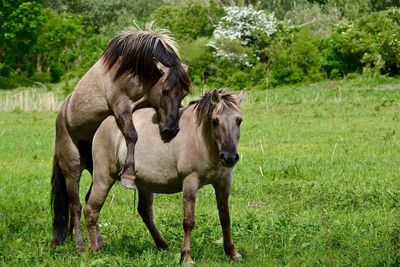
<point x="186" y="258"/>
<point x="94" y="249"/>
<point x="81" y="250"/>
<point x="128" y="181"/>
<point x="235" y="257"/>
<point x="162" y="246"/>
<point x="187" y="261"/>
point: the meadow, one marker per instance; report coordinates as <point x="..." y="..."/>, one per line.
<point x="318" y="184"/>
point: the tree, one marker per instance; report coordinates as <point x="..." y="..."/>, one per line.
<point x="57" y="40"/>
<point x="20" y="23"/>
<point x="190" y="19"/>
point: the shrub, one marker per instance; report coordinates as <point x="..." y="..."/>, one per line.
<point x="43" y="77"/>
<point x="201" y="59"/>
<point x="370" y="42"/>
<point x="242" y="33"/>
<point x="190" y="19"/>
<point x="56" y="72"/>
<point x="294" y="57"/>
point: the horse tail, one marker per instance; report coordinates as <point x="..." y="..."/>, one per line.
<point x="59" y="204"/>
<point x="88" y="193"/>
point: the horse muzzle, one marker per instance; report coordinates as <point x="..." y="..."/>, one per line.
<point x="167" y="134"/>
<point x="228" y="159"/>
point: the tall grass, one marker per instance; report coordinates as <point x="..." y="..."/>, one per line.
<point x="29" y="99"/>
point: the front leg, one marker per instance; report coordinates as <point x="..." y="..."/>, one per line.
<point x="222" y="190"/>
<point x="123" y="115"/>
<point x="190" y="186"/>
<point x="141" y="103"/>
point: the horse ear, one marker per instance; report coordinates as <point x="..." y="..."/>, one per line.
<point x="240" y="96"/>
<point x="215" y="98"/>
<point x="185" y="65"/>
<point x="161" y="67"/>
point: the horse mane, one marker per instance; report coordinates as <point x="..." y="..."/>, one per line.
<point x="135" y="51"/>
<point x="205" y="106"/>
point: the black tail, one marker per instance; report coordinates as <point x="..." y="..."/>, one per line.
<point x="59" y="204"/>
<point x="88" y="193"/>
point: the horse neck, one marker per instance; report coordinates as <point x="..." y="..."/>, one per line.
<point x="204" y="136"/>
<point x="199" y="134"/>
<point x="210" y="141"/>
<point x="124" y="82"/>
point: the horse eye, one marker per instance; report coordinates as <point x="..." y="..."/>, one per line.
<point x="215" y="122"/>
<point x="238" y="121"/>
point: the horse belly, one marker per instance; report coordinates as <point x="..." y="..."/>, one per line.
<point x="155" y="161"/>
<point x="156" y="167"/>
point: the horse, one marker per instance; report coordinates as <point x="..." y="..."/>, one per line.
<point x="203" y="152"/>
<point x="137" y="69"/>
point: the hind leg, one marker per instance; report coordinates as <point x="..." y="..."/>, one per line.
<point x="145" y="209"/>
<point x="72" y="172"/>
<point x="102" y="184"/>
<point x="71" y="166"/>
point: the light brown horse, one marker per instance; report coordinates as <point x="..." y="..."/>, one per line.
<point x="203" y="152"/>
<point x="139" y="66"/>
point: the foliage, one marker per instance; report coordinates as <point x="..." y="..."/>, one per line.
<point x="58" y="40"/>
<point x="201" y="59"/>
<point x="242" y="26"/>
<point x="190" y="19"/>
<point x="318" y="19"/>
<point x="235" y="43"/>
<point x="293" y="58"/>
<point x="371" y="42"/>
<point x="19" y="29"/>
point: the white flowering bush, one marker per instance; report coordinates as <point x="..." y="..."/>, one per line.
<point x="241" y="27"/>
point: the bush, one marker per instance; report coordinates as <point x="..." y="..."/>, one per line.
<point x="5" y="71"/>
<point x="294" y="57"/>
<point x="201" y="59"/>
<point x="190" y="19"/>
<point x="14" y="81"/>
<point x="43" y="77"/>
<point x="56" y="72"/>
<point x="369" y="43"/>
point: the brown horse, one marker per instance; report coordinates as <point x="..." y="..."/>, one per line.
<point x="203" y="152"/>
<point x="139" y="66"/>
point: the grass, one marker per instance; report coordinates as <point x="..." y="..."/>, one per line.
<point x="317" y="184"/>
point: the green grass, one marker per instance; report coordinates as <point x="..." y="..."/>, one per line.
<point x="318" y="184"/>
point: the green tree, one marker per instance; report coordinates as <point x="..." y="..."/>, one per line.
<point x="57" y="41"/>
<point x="189" y="19"/>
<point x="20" y="23"/>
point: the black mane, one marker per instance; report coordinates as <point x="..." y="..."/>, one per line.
<point x="135" y="51"/>
<point x="204" y="106"/>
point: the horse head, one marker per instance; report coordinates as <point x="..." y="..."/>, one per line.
<point x="166" y="96"/>
<point x="225" y="123"/>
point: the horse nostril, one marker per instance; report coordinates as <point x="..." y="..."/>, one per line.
<point x="222" y="156"/>
<point x="236" y="157"/>
<point x="166" y="132"/>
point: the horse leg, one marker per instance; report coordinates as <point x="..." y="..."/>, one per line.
<point x="222" y="191"/>
<point x="190" y="186"/>
<point x="123" y="115"/>
<point x="101" y="186"/>
<point x="145" y="209"/>
<point x="70" y="164"/>
<point x="71" y="167"/>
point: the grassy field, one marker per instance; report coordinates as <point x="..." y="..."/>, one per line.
<point x="318" y="183"/>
